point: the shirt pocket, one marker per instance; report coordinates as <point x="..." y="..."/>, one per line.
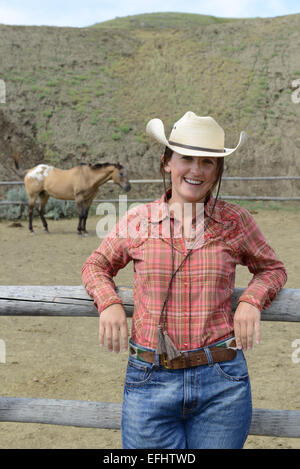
<point x="231" y="234"/>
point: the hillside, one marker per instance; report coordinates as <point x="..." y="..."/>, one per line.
<point x="86" y="94"/>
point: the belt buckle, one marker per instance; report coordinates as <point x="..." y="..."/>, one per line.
<point x="165" y="362"/>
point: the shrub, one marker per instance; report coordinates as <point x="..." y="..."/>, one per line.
<point x="54" y="209"/>
<point x="125" y="128"/>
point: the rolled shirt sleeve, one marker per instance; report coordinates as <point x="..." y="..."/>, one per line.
<point x="269" y="272"/>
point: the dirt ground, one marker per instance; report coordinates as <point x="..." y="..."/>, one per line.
<point x="60" y="358"/>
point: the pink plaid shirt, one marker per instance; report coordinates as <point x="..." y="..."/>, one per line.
<point x="199" y="305"/>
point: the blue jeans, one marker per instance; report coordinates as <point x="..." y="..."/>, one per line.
<point x="207" y="406"/>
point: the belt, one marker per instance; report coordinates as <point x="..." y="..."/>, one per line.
<point x="220" y="353"/>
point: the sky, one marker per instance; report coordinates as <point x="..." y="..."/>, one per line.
<point x="77" y="13"/>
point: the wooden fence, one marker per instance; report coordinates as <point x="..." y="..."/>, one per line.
<point x="74" y="301"/>
<point x="153" y="181"/>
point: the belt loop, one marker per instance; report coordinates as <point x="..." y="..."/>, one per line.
<point x="208" y="356"/>
<point x="156" y="359"/>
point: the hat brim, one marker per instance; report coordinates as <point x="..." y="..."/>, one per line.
<point x="155" y="129"/>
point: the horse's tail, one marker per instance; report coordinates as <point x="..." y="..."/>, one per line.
<point x="17" y="170"/>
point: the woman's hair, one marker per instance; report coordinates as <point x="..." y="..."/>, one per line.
<point x="168" y="155"/>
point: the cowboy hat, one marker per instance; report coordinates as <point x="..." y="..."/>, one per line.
<point x="193" y="135"/>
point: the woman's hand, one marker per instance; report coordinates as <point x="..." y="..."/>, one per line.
<point x="246" y="322"/>
<point x="112" y="325"/>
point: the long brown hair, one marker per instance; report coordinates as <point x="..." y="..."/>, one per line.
<point x="168" y="155"/>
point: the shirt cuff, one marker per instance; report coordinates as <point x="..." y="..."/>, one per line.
<point x="251" y="300"/>
<point x="105" y="304"/>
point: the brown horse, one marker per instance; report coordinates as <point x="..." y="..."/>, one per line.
<point x="80" y="183"/>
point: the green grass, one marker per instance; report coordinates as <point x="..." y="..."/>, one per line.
<point x="48" y="113"/>
<point x="125" y="128"/>
<point x="166" y="20"/>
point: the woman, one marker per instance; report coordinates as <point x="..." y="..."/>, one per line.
<point x="187" y="383"/>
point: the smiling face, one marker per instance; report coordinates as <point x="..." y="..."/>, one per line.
<point x="193" y="177"/>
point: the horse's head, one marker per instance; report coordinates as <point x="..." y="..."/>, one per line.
<point x="120" y="177"/>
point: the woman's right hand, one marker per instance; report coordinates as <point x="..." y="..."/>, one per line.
<point x="113" y="325"/>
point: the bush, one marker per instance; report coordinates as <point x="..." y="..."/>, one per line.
<point x="57" y="209"/>
<point x="54" y="209"/>
<point x="13" y="212"/>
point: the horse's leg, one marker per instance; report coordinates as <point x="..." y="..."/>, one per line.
<point x="84" y="221"/>
<point x="87" y="207"/>
<point x="43" y="200"/>
<point x="31" y="205"/>
<point x="83" y="209"/>
<point x="80" y="210"/>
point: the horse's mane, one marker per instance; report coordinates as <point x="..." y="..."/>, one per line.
<point x="102" y="165"/>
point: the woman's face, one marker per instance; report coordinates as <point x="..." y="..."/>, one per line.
<point x="192" y="177"/>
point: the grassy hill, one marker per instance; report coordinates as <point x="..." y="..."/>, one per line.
<point x="86" y="94"/>
<point x="163" y="21"/>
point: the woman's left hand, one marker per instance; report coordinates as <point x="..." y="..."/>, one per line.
<point x="246" y="323"/>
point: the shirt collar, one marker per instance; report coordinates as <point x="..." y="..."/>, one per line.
<point x="159" y="211"/>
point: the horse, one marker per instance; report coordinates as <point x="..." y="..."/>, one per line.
<point x="80" y="183"/>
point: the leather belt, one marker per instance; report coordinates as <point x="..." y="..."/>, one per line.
<point x="219" y="353"/>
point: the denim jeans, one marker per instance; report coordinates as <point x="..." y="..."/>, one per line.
<point x="207" y="406"/>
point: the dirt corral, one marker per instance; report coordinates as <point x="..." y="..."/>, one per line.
<point x="60" y="358"/>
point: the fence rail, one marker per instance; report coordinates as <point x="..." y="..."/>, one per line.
<point x="72" y="300"/>
<point x="52" y="300"/>
<point x="146" y="181"/>
<point x="224" y="178"/>
<point x="224" y="197"/>
<point x="265" y="422"/>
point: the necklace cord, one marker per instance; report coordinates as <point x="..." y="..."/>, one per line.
<point x="164" y="308"/>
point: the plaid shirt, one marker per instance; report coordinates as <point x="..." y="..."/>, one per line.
<point x="199" y="309"/>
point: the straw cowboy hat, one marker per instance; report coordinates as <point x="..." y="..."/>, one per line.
<point x="193" y="135"/>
